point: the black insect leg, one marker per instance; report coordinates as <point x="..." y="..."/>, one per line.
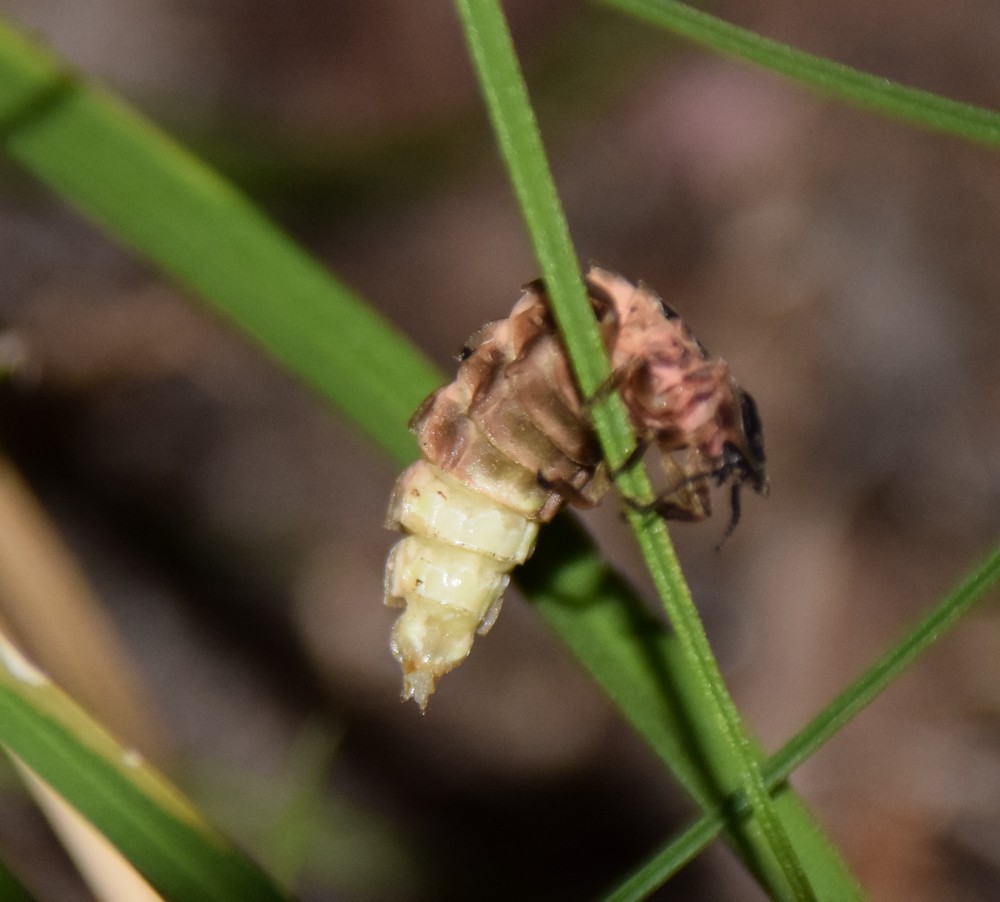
<point x="735" y="508"/>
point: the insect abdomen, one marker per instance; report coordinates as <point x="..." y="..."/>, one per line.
<point x="450" y="573"/>
<point x="491" y="473"/>
<point x="508" y="442"/>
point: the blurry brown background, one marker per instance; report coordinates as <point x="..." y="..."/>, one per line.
<point x="845" y="266"/>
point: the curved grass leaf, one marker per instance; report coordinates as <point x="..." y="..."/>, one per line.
<point x="920" y="108"/>
<point x="154" y="827"/>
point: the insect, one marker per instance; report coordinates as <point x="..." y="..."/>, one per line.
<point x="510" y="441"/>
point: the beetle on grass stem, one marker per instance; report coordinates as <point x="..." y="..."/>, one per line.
<point x="509" y="442"/>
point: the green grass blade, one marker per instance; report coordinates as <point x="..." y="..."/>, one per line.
<point x="157" y="830"/>
<point x="144" y="189"/>
<point x="714" y="716"/>
<point x="665" y="863"/>
<point x="921" y="108"/>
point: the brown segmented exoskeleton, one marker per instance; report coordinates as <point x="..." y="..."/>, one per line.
<point x="510" y="441"/>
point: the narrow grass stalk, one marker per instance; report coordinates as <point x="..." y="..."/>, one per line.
<point x="854" y="699"/>
<point x="637" y="663"/>
<point x="862" y="89"/>
<point x="725" y="742"/>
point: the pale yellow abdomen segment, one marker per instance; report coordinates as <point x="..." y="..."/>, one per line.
<point x="427" y="502"/>
<point x="449" y="574"/>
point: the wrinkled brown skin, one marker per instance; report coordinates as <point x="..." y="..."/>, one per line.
<point x="514" y="410"/>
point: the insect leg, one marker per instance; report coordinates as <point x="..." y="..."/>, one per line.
<point x="686" y="500"/>
<point x="734" y="513"/>
<point x="586" y="497"/>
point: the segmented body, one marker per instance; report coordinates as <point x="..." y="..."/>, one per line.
<point x="508" y="442"/>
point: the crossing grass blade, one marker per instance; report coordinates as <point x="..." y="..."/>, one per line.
<point x="913" y="106"/>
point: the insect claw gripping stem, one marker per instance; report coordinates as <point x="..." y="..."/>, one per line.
<point x="510" y="441"/>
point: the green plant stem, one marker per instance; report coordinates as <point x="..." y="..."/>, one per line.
<point x="847" y="705"/>
<point x="517" y="133"/>
<point x="862" y="89"/>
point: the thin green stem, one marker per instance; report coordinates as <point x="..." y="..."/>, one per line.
<point x="520" y="142"/>
<point x="665" y="570"/>
<point x="862" y="89"/>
